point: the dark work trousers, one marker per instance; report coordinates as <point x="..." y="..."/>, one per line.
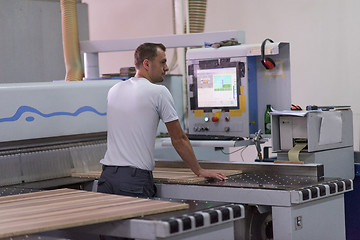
<point x="126" y="181"/>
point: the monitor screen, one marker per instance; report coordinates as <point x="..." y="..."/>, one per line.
<point x="217" y="87"/>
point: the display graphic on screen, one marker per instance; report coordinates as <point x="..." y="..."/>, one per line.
<point x="217" y="87"/>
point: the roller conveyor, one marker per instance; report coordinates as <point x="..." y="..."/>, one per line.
<point x="203" y="220"/>
<point x="296" y="199"/>
<point x="48" y="213"/>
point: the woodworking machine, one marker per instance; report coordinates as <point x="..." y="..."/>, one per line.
<point x="51" y="130"/>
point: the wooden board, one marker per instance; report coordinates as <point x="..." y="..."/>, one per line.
<point x="64" y="208"/>
<point x="184" y="175"/>
<point x="290" y="162"/>
<point x="89" y="174"/>
<point x="172" y="175"/>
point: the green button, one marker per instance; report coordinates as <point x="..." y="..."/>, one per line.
<point x="206" y="119"/>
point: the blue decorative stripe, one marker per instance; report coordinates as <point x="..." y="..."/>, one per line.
<point x="23" y="109"/>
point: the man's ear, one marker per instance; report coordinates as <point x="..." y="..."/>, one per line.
<point x="146" y="64"/>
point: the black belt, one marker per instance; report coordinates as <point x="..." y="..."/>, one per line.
<point x="133" y="169"/>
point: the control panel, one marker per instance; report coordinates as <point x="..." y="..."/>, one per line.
<point x="228" y="88"/>
<point x="217" y="90"/>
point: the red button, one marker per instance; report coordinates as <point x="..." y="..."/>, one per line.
<point x="215" y="119"/>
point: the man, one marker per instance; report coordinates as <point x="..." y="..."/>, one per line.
<point x="133" y="112"/>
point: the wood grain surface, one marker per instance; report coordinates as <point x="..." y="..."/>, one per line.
<point x="172" y="175"/>
<point x="63" y="208"/>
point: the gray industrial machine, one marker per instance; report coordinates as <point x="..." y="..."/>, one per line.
<point x="50" y="130"/>
<point x="324" y="137"/>
<point x="282" y="201"/>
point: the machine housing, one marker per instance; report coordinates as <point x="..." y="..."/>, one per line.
<point x="228" y="88"/>
<point x="327" y="134"/>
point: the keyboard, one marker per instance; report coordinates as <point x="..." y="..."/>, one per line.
<point x="213" y="137"/>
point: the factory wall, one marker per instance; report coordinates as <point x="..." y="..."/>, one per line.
<point x="31" y="40"/>
<point x="323" y="36"/>
<point x="112" y="19"/>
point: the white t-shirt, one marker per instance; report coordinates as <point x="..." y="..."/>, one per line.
<point x="134" y="109"/>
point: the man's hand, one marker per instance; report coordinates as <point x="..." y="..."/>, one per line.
<point x="183" y="147"/>
<point x="212" y="174"/>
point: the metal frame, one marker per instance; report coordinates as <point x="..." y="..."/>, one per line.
<point x="309" y="170"/>
<point x="214" y="224"/>
<point x="91" y="49"/>
<point x="304" y="213"/>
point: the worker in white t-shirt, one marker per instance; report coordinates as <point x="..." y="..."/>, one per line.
<point x="134" y="109"/>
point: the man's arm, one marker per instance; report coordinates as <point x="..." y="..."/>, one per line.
<point x="183" y="147"/>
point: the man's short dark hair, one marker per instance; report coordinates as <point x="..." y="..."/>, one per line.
<point x="146" y="51"/>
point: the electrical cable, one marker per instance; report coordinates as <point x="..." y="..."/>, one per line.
<point x="242" y="148"/>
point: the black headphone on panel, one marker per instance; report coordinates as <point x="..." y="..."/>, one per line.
<point x="266" y="61"/>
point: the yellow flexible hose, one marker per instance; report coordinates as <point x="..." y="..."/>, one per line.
<point x="71" y="45"/>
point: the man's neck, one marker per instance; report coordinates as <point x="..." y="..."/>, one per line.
<point x="140" y="75"/>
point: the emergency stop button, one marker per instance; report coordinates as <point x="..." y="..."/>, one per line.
<point x="215" y="119"/>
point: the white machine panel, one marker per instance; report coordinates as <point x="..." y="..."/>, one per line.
<point x="290" y="128"/>
<point x="321" y="130"/>
<point x="324" y="137"/>
<point x="39" y="110"/>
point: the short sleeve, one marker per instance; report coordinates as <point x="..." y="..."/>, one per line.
<point x="166" y="108"/>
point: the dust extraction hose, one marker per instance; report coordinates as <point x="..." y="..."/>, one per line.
<point x="197" y="14"/>
<point x="71" y="45"/>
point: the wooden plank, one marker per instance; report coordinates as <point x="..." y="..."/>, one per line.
<point x="290" y="162"/>
<point x="64" y="208"/>
<point x="172" y="169"/>
<point x="89" y="174"/>
<point x="41" y="194"/>
<point x="179" y="175"/>
<point x="40" y="207"/>
<point x="172" y="175"/>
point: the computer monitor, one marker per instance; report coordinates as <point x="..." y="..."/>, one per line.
<point x="217" y="88"/>
<point x="215" y="84"/>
